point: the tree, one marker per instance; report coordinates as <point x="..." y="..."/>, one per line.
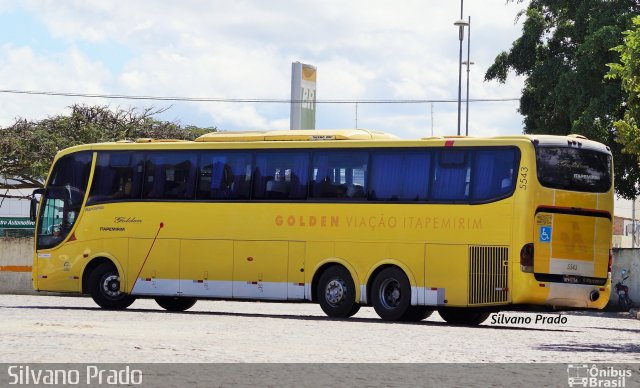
<point x="563" y="52"/>
<point x="27" y="148"/>
<point x="628" y="72"/>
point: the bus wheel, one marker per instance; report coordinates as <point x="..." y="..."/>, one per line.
<point x="174" y="303"/>
<point x="391" y="294"/>
<point x="417" y="313"/>
<point x="463" y="316"/>
<point x="354" y="310"/>
<point x="104" y="287"/>
<point x="336" y="293"/>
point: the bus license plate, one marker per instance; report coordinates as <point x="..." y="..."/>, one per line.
<point x="570" y="279"/>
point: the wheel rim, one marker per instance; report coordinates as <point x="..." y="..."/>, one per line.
<point x="390" y="293"/>
<point x="335" y="292"/>
<point x="110" y="285"/>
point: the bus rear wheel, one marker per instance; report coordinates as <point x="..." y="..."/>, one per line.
<point x="104" y="287"/>
<point x="174" y="303"/>
<point x="417" y="313"/>
<point x="392" y="295"/>
<point x="463" y="316"/>
<point x="336" y="293"/>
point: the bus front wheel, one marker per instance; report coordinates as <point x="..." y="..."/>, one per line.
<point x="173" y="303"/>
<point x="104" y="283"/>
<point x="392" y="295"/>
<point x="463" y="316"/>
<point x="336" y="293"/>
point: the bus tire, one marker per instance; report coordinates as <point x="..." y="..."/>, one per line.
<point x="417" y="313"/>
<point x="174" y="303"/>
<point x="104" y="287"/>
<point x="463" y="316"/>
<point x="336" y="293"/>
<point x="391" y="295"/>
<point x="354" y="310"/>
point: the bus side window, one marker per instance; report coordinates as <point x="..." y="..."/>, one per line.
<point x="400" y="175"/>
<point x="492" y="175"/>
<point x="169" y="175"/>
<point x="451" y="176"/>
<point x="339" y="175"/>
<point x="224" y="175"/>
<point x="117" y="177"/>
<point x="281" y="175"/>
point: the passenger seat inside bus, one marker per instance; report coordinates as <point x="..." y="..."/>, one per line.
<point x="277" y="189"/>
<point x="324" y="189"/>
<point x="355" y="191"/>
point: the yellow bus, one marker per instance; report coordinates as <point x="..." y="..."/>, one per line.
<point x="343" y="218"/>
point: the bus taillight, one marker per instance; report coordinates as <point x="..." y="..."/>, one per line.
<point x="610" y="261"/>
<point x="526" y="258"/>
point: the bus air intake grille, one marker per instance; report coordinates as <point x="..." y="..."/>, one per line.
<point x="488" y="275"/>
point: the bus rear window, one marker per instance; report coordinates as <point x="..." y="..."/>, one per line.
<point x="574" y="169"/>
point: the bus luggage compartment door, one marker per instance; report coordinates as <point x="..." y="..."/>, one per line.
<point x="260" y="269"/>
<point x="573" y="244"/>
<point x="156" y="264"/>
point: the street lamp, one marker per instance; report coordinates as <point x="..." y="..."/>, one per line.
<point x="461" y="24"/>
<point x="467" y="63"/>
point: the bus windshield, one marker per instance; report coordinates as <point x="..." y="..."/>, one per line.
<point x="63" y="198"/>
<point x="574" y="169"/>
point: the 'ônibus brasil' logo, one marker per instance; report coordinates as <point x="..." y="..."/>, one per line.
<point x="582" y="375"/>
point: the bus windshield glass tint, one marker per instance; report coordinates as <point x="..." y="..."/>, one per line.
<point x="574" y="169"/>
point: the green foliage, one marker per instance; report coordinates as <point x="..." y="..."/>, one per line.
<point x="27" y="148"/>
<point x="564" y="51"/>
<point x="628" y="72"/>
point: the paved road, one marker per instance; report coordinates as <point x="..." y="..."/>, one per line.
<point x="73" y="329"/>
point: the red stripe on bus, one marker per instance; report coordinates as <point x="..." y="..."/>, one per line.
<point x="15" y="268"/>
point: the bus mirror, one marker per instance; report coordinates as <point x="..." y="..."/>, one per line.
<point x="33" y="209"/>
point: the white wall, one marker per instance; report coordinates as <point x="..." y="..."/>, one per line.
<point x="15" y="252"/>
<point x="12" y="207"/>
<point x="629" y="260"/>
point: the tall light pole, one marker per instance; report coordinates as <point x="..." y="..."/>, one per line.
<point x="468" y="62"/>
<point x="460" y="24"/>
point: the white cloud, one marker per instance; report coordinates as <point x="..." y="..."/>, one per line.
<point x="371" y="49"/>
<point x="23" y="69"/>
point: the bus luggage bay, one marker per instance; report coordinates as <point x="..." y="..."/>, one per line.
<point x="344" y="218"/>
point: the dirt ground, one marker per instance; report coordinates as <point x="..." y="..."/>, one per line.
<point x="74" y="329"/>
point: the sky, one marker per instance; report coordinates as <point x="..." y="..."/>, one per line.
<point x="363" y="50"/>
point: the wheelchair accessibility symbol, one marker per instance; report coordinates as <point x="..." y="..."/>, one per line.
<point x="545" y="234"/>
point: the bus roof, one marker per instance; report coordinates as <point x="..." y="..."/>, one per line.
<point x="334" y="138"/>
<point x="296" y="135"/>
